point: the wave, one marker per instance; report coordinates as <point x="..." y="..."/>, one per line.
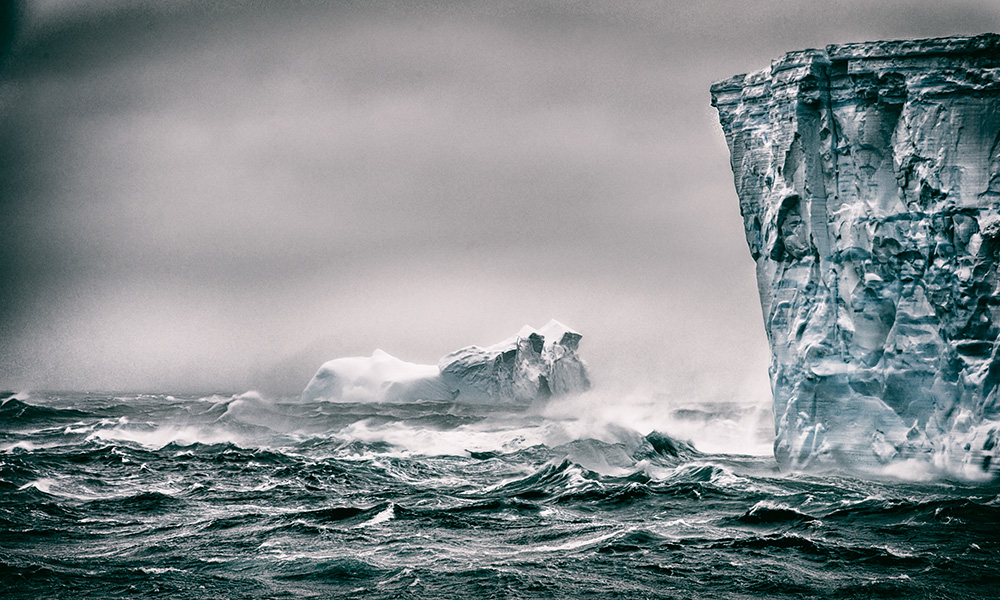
<point x="160" y="437"/>
<point x="140" y="502"/>
<point x="252" y="420"/>
<point x="345" y="571"/>
<point x="258" y="497"/>
<point x="712" y="427"/>
<point x="567" y="482"/>
<point x="827" y="551"/>
<point x="767" y="512"/>
<point x="551" y="479"/>
<point x="982" y="513"/>
<point x="453" y="428"/>
<point x="14" y="411"/>
<point x="638" y="540"/>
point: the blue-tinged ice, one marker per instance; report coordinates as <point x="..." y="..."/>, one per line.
<point x="869" y="183"/>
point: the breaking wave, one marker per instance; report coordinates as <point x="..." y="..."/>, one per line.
<point x="246" y="496"/>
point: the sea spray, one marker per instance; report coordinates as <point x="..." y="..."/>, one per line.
<point x="253" y="497"/>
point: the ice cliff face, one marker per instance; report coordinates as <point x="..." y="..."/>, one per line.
<point x="533" y="365"/>
<point x="869" y="182"/>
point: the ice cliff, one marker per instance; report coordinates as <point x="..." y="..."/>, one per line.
<point x="533" y="365"/>
<point x="868" y="178"/>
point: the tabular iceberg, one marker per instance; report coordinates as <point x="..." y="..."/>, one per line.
<point x="533" y="365"/>
<point x="869" y="183"/>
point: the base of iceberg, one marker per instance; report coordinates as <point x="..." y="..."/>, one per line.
<point x="533" y="365"/>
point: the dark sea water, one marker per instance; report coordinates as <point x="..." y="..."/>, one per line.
<point x="183" y="497"/>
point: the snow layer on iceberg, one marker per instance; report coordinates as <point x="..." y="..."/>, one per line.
<point x="378" y="378"/>
<point x="532" y="365"/>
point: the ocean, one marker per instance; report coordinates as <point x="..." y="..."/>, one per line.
<point x="152" y="495"/>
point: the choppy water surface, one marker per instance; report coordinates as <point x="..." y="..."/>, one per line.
<point x="107" y="497"/>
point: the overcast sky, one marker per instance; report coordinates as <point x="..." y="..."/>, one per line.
<point x="220" y="196"/>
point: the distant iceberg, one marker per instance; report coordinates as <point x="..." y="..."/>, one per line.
<point x="378" y="378"/>
<point x="533" y="365"/>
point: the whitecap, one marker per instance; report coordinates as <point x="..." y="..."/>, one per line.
<point x="382" y="516"/>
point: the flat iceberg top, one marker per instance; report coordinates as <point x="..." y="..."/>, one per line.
<point x="380" y="377"/>
<point x="380" y="365"/>
<point x="795" y="65"/>
<point x="533" y="365"/>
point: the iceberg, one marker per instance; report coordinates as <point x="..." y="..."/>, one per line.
<point x="378" y="378"/>
<point x="868" y="177"/>
<point x="535" y="364"/>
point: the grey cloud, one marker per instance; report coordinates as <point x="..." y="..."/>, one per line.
<point x="226" y="197"/>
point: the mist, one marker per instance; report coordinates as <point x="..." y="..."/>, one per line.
<point x="221" y="196"/>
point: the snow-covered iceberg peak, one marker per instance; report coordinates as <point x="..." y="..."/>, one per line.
<point x="533" y="365"/>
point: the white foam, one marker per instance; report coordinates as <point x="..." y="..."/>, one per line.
<point x="382" y="516"/>
<point x="29" y="446"/>
<point x="21" y="445"/>
<point x="169" y="434"/>
<point x="577" y="543"/>
<point x="599" y="412"/>
<point x="43" y="485"/>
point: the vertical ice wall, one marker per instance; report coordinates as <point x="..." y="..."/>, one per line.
<point x="868" y="177"/>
